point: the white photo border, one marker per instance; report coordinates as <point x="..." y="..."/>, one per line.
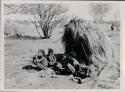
<point x="122" y="45"/>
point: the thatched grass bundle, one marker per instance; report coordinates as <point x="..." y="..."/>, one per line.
<point x="91" y="44"/>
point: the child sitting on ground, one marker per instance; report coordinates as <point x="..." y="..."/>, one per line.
<point x="72" y="63"/>
<point x="79" y="71"/>
<point x="52" y="61"/>
<point x="51" y="58"/>
<point x="40" y="61"/>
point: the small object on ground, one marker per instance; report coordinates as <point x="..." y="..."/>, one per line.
<point x="79" y="80"/>
<point x="73" y="78"/>
<point x="42" y="73"/>
<point x="86" y="80"/>
<point x="53" y="76"/>
<point x="49" y="71"/>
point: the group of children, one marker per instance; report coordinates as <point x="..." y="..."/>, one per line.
<point x="44" y="61"/>
<point x="68" y="63"/>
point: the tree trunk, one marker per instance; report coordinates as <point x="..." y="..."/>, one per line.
<point x="45" y="32"/>
<point x="49" y="33"/>
<point x="38" y="31"/>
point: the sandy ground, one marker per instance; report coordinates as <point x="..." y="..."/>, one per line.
<point x="19" y="53"/>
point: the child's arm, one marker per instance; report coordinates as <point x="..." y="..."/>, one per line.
<point x="54" y="58"/>
<point x="35" y="59"/>
<point x="43" y="61"/>
<point x="39" y="60"/>
<point x="75" y="62"/>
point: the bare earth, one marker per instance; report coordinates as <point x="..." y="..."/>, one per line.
<point x="18" y="53"/>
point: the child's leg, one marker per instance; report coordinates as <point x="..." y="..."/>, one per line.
<point x="72" y="69"/>
<point x="34" y="60"/>
<point x="41" y="66"/>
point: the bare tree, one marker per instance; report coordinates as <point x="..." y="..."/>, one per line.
<point x="99" y="11"/>
<point x="45" y="16"/>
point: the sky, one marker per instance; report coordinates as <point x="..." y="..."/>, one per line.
<point x="75" y="9"/>
<point x="82" y="10"/>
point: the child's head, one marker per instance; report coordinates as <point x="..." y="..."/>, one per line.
<point x="73" y="55"/>
<point x="50" y="51"/>
<point x="41" y="52"/>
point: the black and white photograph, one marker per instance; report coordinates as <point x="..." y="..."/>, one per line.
<point x="64" y="45"/>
